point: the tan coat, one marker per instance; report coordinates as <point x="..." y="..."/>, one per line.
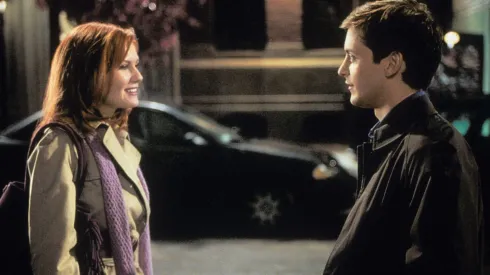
<point x="52" y="200"/>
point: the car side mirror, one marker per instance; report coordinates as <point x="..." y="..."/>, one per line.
<point x="195" y="139"/>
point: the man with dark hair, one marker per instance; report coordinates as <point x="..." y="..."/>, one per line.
<point x="418" y="208"/>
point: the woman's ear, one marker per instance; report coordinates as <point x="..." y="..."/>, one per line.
<point x="394" y="64"/>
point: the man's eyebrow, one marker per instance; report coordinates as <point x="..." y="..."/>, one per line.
<point x="129" y="60"/>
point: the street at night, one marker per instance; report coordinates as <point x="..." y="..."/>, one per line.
<point x="241" y="257"/>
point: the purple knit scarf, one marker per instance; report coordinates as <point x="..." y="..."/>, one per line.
<point x="116" y="214"/>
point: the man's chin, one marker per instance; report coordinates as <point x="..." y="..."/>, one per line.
<point x="357" y="102"/>
<point x="354" y="100"/>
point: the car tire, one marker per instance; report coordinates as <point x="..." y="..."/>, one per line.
<point x="269" y="213"/>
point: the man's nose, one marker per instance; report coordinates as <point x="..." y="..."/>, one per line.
<point x="342" y="71"/>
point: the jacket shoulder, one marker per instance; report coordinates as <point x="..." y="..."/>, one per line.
<point x="433" y="137"/>
<point x="434" y="130"/>
<point x="55" y="135"/>
<point x="55" y="141"/>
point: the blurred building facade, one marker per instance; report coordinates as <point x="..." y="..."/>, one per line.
<point x="276" y="60"/>
<point x="27" y="58"/>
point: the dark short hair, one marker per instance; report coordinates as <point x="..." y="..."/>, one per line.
<point x="404" y="26"/>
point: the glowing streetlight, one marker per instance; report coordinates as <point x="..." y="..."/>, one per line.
<point x="3" y="6"/>
<point x="152" y="6"/>
<point x="451" y="38"/>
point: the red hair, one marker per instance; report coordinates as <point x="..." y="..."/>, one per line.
<point x="81" y="73"/>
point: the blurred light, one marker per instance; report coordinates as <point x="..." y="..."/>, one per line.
<point x="322" y="172"/>
<point x="462" y="124"/>
<point x="3" y="6"/>
<point x="347" y="159"/>
<point x="152" y="6"/>
<point x="451" y="38"/>
<point x="65" y="24"/>
<point x="485" y="129"/>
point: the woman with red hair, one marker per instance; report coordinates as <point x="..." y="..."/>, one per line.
<point x="100" y="226"/>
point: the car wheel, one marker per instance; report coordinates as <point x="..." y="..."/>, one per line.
<point x="269" y="213"/>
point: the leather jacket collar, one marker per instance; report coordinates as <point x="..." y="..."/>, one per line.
<point x="400" y="119"/>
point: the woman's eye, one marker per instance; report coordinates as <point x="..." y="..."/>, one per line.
<point x="123" y="66"/>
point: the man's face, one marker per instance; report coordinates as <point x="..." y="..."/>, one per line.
<point x="363" y="77"/>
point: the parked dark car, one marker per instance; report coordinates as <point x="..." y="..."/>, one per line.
<point x="205" y="178"/>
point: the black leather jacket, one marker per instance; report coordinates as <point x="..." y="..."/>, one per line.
<point x="419" y="208"/>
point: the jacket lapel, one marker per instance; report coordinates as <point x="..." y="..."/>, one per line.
<point x="128" y="158"/>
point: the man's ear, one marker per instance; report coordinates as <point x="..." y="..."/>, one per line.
<point x="394" y="64"/>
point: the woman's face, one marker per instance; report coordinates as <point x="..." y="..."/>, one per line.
<point x="125" y="81"/>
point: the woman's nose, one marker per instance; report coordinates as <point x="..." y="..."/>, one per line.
<point x="137" y="76"/>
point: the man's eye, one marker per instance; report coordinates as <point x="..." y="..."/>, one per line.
<point x="351" y="58"/>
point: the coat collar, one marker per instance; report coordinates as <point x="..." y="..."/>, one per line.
<point x="125" y="155"/>
<point x="400" y="119"/>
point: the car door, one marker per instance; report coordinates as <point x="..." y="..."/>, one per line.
<point x="13" y="152"/>
<point x="179" y="163"/>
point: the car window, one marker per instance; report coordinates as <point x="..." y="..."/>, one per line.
<point x="165" y="129"/>
<point x="223" y="133"/>
<point x="24" y="133"/>
<point x="137" y="124"/>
